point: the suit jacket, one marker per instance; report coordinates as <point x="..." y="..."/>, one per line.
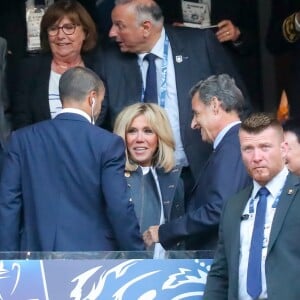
<point x="63" y="189"/>
<point x="283" y="252"/>
<point x="4" y="99"/>
<point x="30" y="100"/>
<point x="223" y="175"/>
<point x="202" y="56"/>
<point x="4" y="127"/>
<point x="172" y="193"/>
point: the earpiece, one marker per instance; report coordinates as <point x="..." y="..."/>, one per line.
<point x="92" y="116"/>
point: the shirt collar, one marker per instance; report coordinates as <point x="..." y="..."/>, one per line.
<point x="75" y="111"/>
<point x="158" y="48"/>
<point x="275" y="185"/>
<point x="222" y="133"/>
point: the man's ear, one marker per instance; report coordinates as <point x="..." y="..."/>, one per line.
<point x="215" y="104"/>
<point x="147" y="27"/>
<point x="92" y="98"/>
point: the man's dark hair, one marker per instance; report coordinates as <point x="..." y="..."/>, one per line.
<point x="77" y="82"/>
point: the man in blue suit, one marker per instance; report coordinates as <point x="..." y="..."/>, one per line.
<point x="62" y="186"/>
<point x="183" y="57"/>
<point x="216" y="103"/>
<point x="278" y="248"/>
<point x="4" y="101"/>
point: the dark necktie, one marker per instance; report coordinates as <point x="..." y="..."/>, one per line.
<point x="254" y="284"/>
<point x="150" y="94"/>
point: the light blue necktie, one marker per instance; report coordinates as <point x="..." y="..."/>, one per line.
<point x="254" y="284"/>
<point x="150" y="94"/>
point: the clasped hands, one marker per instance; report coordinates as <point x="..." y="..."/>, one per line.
<point x="150" y="236"/>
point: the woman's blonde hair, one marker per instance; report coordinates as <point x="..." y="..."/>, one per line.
<point x="159" y="123"/>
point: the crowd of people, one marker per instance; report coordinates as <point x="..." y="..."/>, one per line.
<point x="148" y="139"/>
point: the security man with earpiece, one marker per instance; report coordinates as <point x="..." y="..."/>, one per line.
<point x="62" y="186"/>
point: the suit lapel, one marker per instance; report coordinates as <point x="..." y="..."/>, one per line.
<point x="289" y="191"/>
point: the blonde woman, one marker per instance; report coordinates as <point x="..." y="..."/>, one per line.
<point x="154" y="181"/>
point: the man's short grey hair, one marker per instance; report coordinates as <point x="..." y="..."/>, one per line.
<point x="145" y="11"/>
<point x="222" y="87"/>
<point x="77" y="82"/>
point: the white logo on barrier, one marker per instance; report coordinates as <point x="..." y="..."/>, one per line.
<point x="135" y="275"/>
<point x="13" y="275"/>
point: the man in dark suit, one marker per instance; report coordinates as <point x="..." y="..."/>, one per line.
<point x="4" y="126"/>
<point x="234" y="274"/>
<point x="62" y="186"/>
<point x="184" y="56"/>
<point x="216" y="104"/>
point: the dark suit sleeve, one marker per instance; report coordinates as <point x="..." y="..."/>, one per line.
<point x="216" y="287"/>
<point x="224" y="176"/>
<point x="242" y="13"/>
<point x="100" y="68"/>
<point x="10" y="199"/>
<point x="120" y="210"/>
<point x="20" y="104"/>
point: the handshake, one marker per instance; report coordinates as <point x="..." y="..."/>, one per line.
<point x="150" y="236"/>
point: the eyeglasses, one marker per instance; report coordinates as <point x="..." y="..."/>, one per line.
<point x="67" y="29"/>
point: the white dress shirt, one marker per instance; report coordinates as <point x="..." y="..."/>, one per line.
<point x="171" y="101"/>
<point x="54" y="99"/>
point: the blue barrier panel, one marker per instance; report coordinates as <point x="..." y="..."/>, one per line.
<point x="118" y="279"/>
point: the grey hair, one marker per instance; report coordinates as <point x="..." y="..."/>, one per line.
<point x="77" y="82"/>
<point x="145" y="10"/>
<point x="223" y="87"/>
